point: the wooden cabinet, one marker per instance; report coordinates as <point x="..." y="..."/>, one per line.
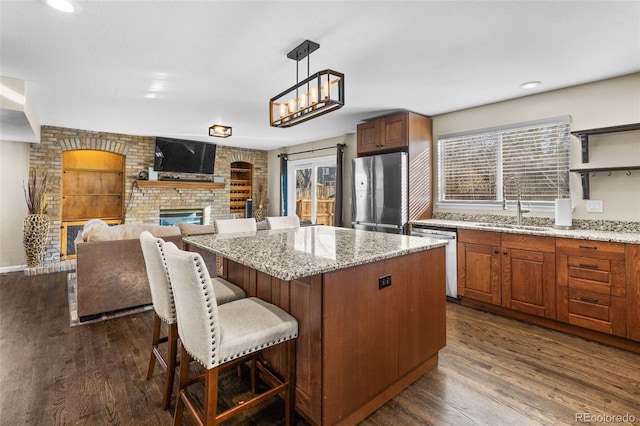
<point x="409" y="132"/>
<point x="240" y="186"/>
<point x="592" y="285"/>
<point x="389" y="133"/>
<point x="528" y="274"/>
<point x="92" y="188"/>
<point x="632" y="259"/>
<point x="479" y="266"/>
<point x="358" y="344"/>
<point x="510" y="270"/>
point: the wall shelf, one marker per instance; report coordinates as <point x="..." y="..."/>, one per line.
<point x="179" y="184"/>
<point x="584" y="135"/>
<point x="585" y="172"/>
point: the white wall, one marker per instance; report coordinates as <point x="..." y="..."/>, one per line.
<point x="14" y="169"/>
<point x="274" y="169"/>
<point x="601" y="104"/>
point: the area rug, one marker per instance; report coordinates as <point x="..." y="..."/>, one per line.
<point x="72" y="286"/>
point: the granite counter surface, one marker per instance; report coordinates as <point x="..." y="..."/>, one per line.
<point x="581" y="234"/>
<point x="312" y="250"/>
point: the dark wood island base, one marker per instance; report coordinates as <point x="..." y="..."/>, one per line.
<point x="361" y="341"/>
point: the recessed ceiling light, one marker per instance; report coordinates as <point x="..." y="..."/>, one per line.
<point x="62" y="5"/>
<point x="530" y="85"/>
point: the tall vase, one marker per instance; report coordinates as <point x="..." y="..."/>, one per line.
<point x="35" y="231"/>
<point x="260" y="214"/>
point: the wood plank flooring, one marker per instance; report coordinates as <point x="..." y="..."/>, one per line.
<point x="494" y="371"/>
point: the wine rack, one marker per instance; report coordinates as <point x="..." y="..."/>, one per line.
<point x="240" y="186"/>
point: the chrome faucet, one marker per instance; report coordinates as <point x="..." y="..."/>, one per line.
<point x="519" y="208"/>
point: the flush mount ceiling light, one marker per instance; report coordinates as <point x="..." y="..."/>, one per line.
<point x="530" y="85"/>
<point x="220" y="131"/>
<point x="312" y="97"/>
<point x="62" y="5"/>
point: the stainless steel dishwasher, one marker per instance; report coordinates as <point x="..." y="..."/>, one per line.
<point x="450" y="235"/>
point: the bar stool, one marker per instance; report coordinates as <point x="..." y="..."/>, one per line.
<point x="164" y="308"/>
<point x="225" y="336"/>
<point x="228" y="226"/>
<point x="283" y="222"/>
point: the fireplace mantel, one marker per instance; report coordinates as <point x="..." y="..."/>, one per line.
<point x="176" y="184"/>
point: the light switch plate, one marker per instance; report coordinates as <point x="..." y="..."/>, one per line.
<point x="594" y="206"/>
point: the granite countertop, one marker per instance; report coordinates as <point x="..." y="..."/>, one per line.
<point x="582" y="234"/>
<point x="296" y="253"/>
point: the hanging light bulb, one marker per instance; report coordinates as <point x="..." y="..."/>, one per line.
<point x="314" y="95"/>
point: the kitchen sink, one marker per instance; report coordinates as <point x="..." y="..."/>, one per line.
<point x="512" y="226"/>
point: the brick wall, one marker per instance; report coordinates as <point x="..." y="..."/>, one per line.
<point x="141" y="205"/>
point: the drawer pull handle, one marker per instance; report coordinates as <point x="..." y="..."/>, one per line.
<point x="585" y="265"/>
<point x="589" y="247"/>
<point x="588" y="299"/>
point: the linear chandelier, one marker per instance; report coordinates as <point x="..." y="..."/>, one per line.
<point x="312" y="97"/>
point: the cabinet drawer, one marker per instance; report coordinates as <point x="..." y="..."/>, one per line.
<point x="590" y="249"/>
<point x="479" y="237"/>
<point x="589" y="304"/>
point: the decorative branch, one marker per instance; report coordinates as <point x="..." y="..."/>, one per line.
<point x="35" y="193"/>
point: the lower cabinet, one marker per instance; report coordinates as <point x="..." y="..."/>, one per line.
<point x="589" y="284"/>
<point x="510" y="270"/>
<point x="529" y="274"/>
<point x="592" y="285"/>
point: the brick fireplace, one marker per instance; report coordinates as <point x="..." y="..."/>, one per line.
<point x="142" y="205"/>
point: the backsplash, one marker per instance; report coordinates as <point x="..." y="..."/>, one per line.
<point x="592" y="225"/>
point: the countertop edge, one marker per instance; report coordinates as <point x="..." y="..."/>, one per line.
<point x="579" y="234"/>
<point x="289" y="276"/>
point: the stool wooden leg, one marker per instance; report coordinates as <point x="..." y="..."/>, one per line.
<point x="254" y="373"/>
<point x="211" y="397"/>
<point x="290" y="395"/>
<point x="154" y="343"/>
<point x="172" y="355"/>
<point x="185" y="360"/>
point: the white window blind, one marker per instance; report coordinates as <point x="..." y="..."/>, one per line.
<point x="473" y="165"/>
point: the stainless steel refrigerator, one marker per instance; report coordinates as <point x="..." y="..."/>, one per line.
<point x="380" y="193"/>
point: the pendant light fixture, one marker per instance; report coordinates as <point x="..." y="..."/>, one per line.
<point x="312" y="97"/>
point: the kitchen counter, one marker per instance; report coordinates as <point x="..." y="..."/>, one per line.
<point x="370" y="310"/>
<point x="311" y="250"/>
<point x="581" y="234"/>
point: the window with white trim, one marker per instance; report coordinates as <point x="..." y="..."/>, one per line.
<point x="473" y="165"/>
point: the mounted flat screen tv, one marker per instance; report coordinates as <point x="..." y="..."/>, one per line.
<point x="184" y="156"/>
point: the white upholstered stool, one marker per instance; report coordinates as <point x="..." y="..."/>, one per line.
<point x="164" y="307"/>
<point x="225" y="336"/>
<point x="228" y="226"/>
<point x="283" y="222"/>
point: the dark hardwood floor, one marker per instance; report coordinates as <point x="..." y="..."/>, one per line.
<point x="494" y="371"/>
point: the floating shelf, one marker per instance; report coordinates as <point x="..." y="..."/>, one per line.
<point x="179" y="184"/>
<point x="584" y="135"/>
<point x="584" y="176"/>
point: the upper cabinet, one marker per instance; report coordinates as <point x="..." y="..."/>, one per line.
<point x="409" y="132"/>
<point x="389" y="133"/>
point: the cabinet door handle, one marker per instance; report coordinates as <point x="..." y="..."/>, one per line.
<point x="588" y="247"/>
<point x="504" y="252"/>
<point x="588" y="299"/>
<point x="585" y="265"/>
<point x="496" y="252"/>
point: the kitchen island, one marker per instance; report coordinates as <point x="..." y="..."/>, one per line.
<point x="370" y="308"/>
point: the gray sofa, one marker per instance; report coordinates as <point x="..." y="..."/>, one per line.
<point x="110" y="268"/>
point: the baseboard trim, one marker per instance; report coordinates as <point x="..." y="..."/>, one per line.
<point x="16" y="268"/>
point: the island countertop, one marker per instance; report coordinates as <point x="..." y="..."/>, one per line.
<point x="295" y="253"/>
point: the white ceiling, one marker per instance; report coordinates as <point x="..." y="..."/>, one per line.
<point x="221" y="61"/>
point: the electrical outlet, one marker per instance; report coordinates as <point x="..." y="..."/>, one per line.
<point x="384" y="282"/>
<point x="594" y="206"/>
